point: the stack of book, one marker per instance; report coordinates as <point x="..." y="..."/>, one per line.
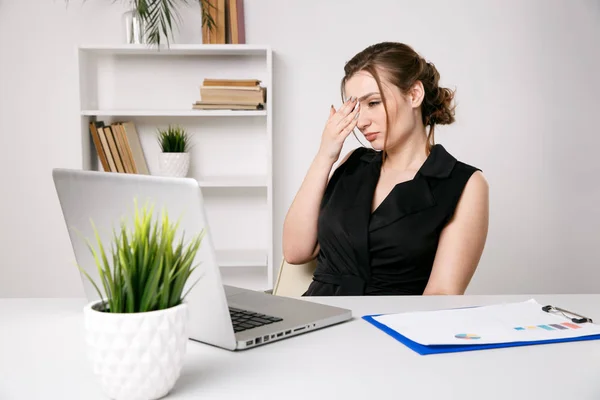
<point x="231" y="94"/>
<point x="118" y="147"/>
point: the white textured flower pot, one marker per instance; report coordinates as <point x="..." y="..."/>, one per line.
<point x="137" y="355"/>
<point x="174" y="164"/>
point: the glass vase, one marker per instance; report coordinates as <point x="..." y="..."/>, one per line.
<point x="134" y="27"/>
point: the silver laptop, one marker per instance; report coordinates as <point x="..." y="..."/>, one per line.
<point x="228" y="317"/>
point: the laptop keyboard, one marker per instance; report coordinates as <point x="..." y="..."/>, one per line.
<point x="244" y="320"/>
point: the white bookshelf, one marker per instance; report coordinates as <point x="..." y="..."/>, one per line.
<point x="234" y="181"/>
<point x="173" y="113"/>
<point x="179" y="50"/>
<point x="231" y="149"/>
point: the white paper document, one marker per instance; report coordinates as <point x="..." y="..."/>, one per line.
<point x="502" y="323"/>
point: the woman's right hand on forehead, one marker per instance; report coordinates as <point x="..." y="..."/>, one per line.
<point x="338" y="127"/>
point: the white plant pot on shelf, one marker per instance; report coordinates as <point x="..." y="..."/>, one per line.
<point x="174" y="164"/>
<point x="136" y="355"/>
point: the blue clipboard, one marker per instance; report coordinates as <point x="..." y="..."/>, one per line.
<point x="439" y="349"/>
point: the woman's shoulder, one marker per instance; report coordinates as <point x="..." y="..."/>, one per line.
<point x="464" y="168"/>
<point x="470" y="179"/>
<point x="354" y="158"/>
<point x="359" y="155"/>
<point x="451" y="172"/>
<point x="348" y="165"/>
<point x="456" y="180"/>
<point x="443" y="164"/>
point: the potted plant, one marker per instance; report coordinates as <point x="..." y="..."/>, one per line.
<point x="174" y="159"/>
<point x="136" y="334"/>
<point x="156" y="18"/>
<point x="150" y="21"/>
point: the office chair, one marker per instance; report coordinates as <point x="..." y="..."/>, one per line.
<point x="293" y="279"/>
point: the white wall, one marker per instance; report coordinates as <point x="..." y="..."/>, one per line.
<point x="528" y="85"/>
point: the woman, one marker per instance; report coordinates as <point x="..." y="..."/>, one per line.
<point x="402" y="218"/>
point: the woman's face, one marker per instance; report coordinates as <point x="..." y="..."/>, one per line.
<point x="403" y="110"/>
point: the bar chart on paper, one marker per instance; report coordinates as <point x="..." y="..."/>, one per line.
<point x="550" y="327"/>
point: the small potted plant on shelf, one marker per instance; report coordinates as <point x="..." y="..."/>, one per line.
<point x="174" y="159"/>
<point x="136" y="334"/>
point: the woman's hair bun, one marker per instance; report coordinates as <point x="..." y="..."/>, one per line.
<point x="438" y="106"/>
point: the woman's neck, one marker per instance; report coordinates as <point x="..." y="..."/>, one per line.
<point x="409" y="155"/>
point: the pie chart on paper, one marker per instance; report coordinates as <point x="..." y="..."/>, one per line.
<point x="467" y="336"/>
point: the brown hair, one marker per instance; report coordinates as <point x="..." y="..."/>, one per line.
<point x="402" y="67"/>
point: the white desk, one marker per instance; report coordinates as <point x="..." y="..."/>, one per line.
<point x="42" y="356"/>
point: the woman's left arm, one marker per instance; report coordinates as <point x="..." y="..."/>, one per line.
<point x="462" y="241"/>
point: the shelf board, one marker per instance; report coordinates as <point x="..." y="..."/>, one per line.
<point x="178" y="49"/>
<point x="173" y="113"/>
<point x="233" y="181"/>
<point x="241" y="258"/>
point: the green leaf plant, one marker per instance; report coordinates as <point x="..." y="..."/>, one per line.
<point x="159" y="17"/>
<point x="147" y="269"/>
<point x="174" y="139"/>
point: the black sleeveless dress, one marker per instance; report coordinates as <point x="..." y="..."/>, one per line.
<point x="390" y="251"/>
